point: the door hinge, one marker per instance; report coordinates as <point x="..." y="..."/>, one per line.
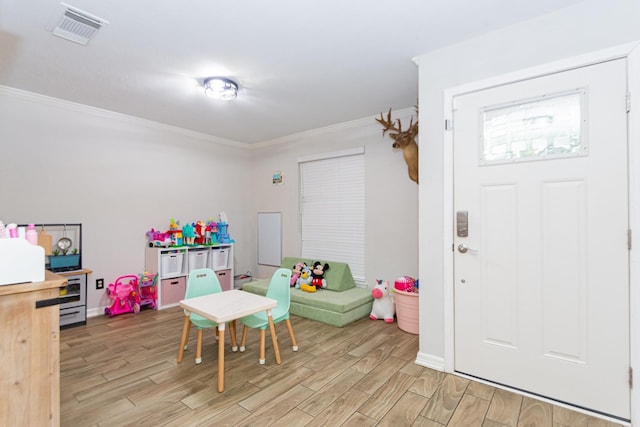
<point x="630" y="377"/>
<point x="448" y="124"/>
<point x="628" y="102"/>
<point x="629" y="236"/>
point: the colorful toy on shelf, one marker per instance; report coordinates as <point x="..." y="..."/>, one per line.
<point x="159" y="239"/>
<point x="211" y="233"/>
<point x="223" y="233"/>
<point x="191" y="234"/>
<point x="124" y="296"/>
<point x="188" y="235"/>
<point x="176" y="237"/>
<point x="383" y="303"/>
<point x="200" y="230"/>
<point x="223" y="229"/>
<point x="175" y="232"/>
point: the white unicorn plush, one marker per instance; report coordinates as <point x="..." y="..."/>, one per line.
<point x="383" y="304"/>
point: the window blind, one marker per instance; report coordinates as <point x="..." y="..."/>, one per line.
<point x="332" y="201"/>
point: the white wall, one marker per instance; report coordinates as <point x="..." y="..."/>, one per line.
<point x="586" y="27"/>
<point x="117" y="175"/>
<point x="120" y="176"/>
<point x="391" y="198"/>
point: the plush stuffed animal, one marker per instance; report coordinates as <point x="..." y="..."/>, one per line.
<point x="295" y="273"/>
<point x="383" y="304"/>
<point x="304" y="281"/>
<point x="318" y="274"/>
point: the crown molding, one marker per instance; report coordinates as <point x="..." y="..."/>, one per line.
<point x="338" y="127"/>
<point x="107" y="114"/>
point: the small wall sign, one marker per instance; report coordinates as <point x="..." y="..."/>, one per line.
<point x="278" y="178"/>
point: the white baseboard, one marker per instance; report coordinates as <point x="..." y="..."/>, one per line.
<point x="95" y="312"/>
<point x="430" y="361"/>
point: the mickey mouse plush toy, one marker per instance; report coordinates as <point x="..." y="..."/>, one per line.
<point x="318" y="275"/>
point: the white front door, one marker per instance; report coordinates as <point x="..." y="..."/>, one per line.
<point x="541" y="278"/>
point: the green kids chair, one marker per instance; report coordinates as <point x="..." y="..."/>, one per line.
<point x="279" y="290"/>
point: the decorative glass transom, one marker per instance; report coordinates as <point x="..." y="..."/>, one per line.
<point x="550" y="126"/>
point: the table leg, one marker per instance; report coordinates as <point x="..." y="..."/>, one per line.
<point x="274" y="337"/>
<point x="221" y="357"/>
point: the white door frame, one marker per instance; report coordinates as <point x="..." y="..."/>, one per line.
<point x="631" y="52"/>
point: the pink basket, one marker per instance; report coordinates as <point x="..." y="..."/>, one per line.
<point x="407" y="311"/>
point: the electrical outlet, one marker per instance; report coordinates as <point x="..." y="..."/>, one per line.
<point x="99" y="283"/>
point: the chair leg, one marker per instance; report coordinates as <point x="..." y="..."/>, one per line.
<point x="263" y="337"/>
<point x="294" y="344"/>
<point x="186" y="343"/>
<point x="243" y="339"/>
<point x="199" y="347"/>
<point x="185" y="336"/>
<point x="274" y="339"/>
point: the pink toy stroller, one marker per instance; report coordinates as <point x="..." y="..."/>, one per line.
<point x="147" y="291"/>
<point x="123" y="293"/>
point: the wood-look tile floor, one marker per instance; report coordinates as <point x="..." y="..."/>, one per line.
<point x="123" y="371"/>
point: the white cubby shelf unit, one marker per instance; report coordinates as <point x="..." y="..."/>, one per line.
<point x="173" y="265"/>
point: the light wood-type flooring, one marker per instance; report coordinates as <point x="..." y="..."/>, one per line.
<point x="123" y="371"/>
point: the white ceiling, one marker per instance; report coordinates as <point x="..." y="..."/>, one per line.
<point x="300" y="65"/>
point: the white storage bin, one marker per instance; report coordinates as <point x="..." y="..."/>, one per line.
<point x="198" y="259"/>
<point x="219" y="258"/>
<point x="172" y="263"/>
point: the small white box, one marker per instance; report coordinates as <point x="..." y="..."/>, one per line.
<point x="172" y="263"/>
<point x="20" y="262"/>
<point x="219" y="258"/>
<point x="198" y="259"/>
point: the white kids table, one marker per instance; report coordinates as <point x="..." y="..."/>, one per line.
<point x="225" y="307"/>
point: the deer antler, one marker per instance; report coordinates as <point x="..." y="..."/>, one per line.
<point x="387" y="124"/>
<point x="396" y="126"/>
<point x="404" y="140"/>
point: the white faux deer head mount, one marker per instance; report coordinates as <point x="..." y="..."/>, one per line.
<point x="404" y="140"/>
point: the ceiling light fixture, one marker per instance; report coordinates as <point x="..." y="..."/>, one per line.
<point x="221" y="88"/>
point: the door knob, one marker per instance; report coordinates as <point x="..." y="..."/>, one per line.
<point x="463" y="249"/>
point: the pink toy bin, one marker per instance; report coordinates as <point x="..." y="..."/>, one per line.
<point x="407" y="308"/>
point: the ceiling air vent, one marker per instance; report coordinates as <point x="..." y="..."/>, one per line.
<point x="78" y="26"/>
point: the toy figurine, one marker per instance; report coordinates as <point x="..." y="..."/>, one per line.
<point x="211" y="232"/>
<point x="304" y="281"/>
<point x="188" y="234"/>
<point x="318" y="274"/>
<point x="200" y="236"/>
<point x="295" y="273"/>
<point x="383" y="304"/>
